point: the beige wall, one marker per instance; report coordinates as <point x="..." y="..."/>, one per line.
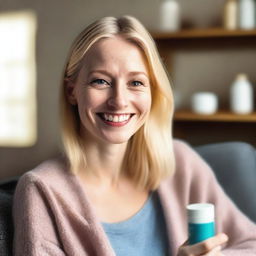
<point x="58" y="23"/>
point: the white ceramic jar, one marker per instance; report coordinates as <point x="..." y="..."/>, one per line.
<point x="246" y="14"/>
<point x="241" y="95"/>
<point x="169" y="16"/>
<point x="204" y="103"/>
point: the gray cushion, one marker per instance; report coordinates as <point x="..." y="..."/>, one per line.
<point x="234" y="164"/>
<point x="6" y="226"/>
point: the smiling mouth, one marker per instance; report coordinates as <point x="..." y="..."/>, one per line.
<point x="115" y="118"/>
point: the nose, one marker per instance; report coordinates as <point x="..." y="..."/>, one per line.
<point x="118" y="98"/>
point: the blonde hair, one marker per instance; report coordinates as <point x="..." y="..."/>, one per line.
<point x="149" y="156"/>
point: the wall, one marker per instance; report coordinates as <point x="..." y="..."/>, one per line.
<point x="58" y="23"/>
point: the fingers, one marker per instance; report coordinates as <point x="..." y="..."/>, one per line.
<point x="209" y="244"/>
<point x="208" y="247"/>
<point x="214" y="252"/>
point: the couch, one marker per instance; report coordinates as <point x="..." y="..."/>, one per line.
<point x="7" y="188"/>
<point x="234" y="164"/>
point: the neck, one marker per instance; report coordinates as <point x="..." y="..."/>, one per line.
<point x="104" y="162"/>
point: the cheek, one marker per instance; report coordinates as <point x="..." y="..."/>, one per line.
<point x="149" y="101"/>
<point x="143" y="103"/>
<point x="90" y="100"/>
<point x="146" y="101"/>
<point x="83" y="103"/>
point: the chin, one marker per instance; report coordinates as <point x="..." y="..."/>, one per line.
<point x="117" y="139"/>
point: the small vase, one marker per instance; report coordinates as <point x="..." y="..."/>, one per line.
<point x="230" y="15"/>
<point x="169" y="16"/>
<point x="241" y="95"/>
<point x="246" y="14"/>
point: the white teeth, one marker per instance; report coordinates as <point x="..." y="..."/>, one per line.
<point x="126" y="117"/>
<point x="121" y="118"/>
<point x="116" y="118"/>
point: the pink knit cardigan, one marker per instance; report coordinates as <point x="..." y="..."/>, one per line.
<point x="53" y="217"/>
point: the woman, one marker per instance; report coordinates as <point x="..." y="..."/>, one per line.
<point x="123" y="185"/>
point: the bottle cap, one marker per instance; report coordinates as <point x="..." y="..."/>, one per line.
<point x="200" y="213"/>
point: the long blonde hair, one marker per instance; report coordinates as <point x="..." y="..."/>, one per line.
<point x="149" y="156"/>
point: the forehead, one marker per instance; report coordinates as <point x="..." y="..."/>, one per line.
<point x="108" y="52"/>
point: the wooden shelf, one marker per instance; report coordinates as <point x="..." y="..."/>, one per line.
<point x="204" y="33"/>
<point x="221" y="116"/>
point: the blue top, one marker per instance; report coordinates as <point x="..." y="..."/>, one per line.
<point x="142" y="234"/>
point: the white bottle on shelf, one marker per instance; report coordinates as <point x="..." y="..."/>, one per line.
<point x="241" y="95"/>
<point x="169" y="16"/>
<point x="230" y="14"/>
<point x="246" y="14"/>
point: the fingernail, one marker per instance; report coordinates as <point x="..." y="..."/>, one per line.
<point x="224" y="237"/>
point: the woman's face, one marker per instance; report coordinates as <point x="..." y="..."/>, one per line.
<point x="112" y="91"/>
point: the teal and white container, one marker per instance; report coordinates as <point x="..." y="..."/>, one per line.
<point x="201" y="224"/>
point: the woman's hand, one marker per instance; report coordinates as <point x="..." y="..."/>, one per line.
<point x="209" y="247"/>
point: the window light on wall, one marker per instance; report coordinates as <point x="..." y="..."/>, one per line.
<point x="17" y="79"/>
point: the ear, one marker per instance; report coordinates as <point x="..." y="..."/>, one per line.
<point x="70" y="92"/>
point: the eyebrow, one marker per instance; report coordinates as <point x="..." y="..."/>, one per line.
<point x="105" y="72"/>
<point x="138" y="73"/>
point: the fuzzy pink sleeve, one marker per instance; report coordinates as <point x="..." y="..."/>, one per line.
<point x="203" y="187"/>
<point x="34" y="233"/>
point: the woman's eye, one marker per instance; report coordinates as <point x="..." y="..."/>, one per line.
<point x="137" y="83"/>
<point x="100" y="82"/>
